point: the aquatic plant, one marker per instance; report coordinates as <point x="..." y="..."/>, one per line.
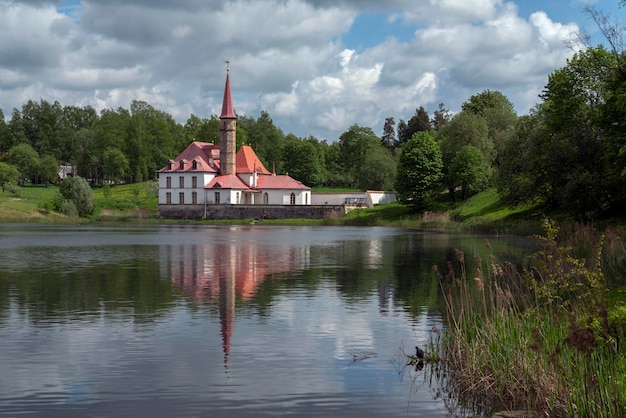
<point x="537" y="337"/>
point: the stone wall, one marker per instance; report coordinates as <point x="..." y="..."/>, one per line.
<point x="251" y="211"/>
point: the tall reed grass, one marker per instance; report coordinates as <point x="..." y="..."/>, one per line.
<point x="537" y="337"/>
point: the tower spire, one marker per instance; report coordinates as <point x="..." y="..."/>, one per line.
<point x="228" y="131"/>
<point x="228" y="111"/>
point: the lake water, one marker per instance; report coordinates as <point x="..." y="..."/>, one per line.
<point x="164" y="321"/>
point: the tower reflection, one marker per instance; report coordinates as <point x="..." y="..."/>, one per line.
<point x="227" y="273"/>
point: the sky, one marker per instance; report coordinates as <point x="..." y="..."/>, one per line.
<point x="317" y="66"/>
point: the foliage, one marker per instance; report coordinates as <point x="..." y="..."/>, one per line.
<point x="566" y="153"/>
<point x="441" y="117"/>
<point x="354" y="145"/>
<point x="561" y="280"/>
<point x="9" y="175"/>
<point x="303" y="161"/>
<point x="48" y="169"/>
<point x="419" y="169"/>
<point x="389" y="134"/>
<point x="378" y="171"/>
<point x="510" y="348"/>
<point x="419" y="122"/>
<point x="26" y="160"/>
<point x="77" y="195"/>
<point x="468" y="169"/>
<point x="466" y="128"/>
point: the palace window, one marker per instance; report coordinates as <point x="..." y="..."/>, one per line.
<point x="181" y="180"/>
<point x="194" y="182"/>
<point x="168" y="181"/>
<point x="168" y="197"/>
<point x="194" y="198"/>
<point x="217" y="198"/>
<point x="237" y="198"/>
<point x="266" y="198"/>
<point x="292" y="199"/>
<point x="182" y="165"/>
<point x="181" y="198"/>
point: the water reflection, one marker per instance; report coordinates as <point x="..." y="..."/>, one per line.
<point x="197" y="320"/>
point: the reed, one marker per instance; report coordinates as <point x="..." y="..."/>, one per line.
<point x="537" y="338"/>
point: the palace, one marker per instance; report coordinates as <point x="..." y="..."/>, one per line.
<point x="206" y="175"/>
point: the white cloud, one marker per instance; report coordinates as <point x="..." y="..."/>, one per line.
<point x="287" y="57"/>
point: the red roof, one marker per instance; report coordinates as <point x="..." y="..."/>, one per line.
<point x="228" y="111"/>
<point x="230" y="181"/>
<point x="248" y="162"/>
<point x="203" y="153"/>
<point x="279" y="182"/>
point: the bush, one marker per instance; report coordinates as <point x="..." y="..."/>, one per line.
<point x="77" y="191"/>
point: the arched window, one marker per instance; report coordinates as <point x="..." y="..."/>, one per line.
<point x="292" y="199"/>
<point x="266" y="198"/>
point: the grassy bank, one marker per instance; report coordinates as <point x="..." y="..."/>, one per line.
<point x="548" y="339"/>
<point x="138" y="203"/>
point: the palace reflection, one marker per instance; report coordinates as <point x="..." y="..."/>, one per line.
<point x="225" y="273"/>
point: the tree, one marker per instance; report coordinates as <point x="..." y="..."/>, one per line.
<point x="354" y="145"/>
<point x="378" y="171"/>
<point x="420" y="122"/>
<point x="441" y="117"/>
<point x="302" y="161"/>
<point x="9" y="175"/>
<point x="419" y="169"/>
<point x="468" y="170"/>
<point x="76" y="190"/>
<point x="389" y="134"/>
<point x="115" y="164"/>
<point x="26" y="160"/>
<point x="466" y="128"/>
<point x="48" y="169"/>
<point x="266" y="139"/>
<point x="520" y="178"/>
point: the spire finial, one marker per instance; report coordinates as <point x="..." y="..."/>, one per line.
<point x="227" y="66"/>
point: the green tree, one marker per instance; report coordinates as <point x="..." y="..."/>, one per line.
<point x="77" y="190"/>
<point x="419" y="169"/>
<point x="302" y="160"/>
<point x="466" y="128"/>
<point x="202" y="129"/>
<point x="419" y="122"/>
<point x="115" y="164"/>
<point x="266" y="139"/>
<point x="389" y="134"/>
<point x="26" y="160"/>
<point x="468" y="170"/>
<point x="48" y="169"/>
<point x="441" y="117"/>
<point x="577" y="158"/>
<point x="9" y="175"/>
<point x="499" y="113"/>
<point x="519" y="179"/>
<point x="378" y="171"/>
<point x="354" y="145"/>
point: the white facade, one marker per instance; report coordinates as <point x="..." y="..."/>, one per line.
<point x="183" y="188"/>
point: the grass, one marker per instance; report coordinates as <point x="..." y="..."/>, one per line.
<point x="544" y="339"/>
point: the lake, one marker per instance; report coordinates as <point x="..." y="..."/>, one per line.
<point x="196" y="320"/>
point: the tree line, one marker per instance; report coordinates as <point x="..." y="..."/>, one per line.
<point x="568" y="153"/>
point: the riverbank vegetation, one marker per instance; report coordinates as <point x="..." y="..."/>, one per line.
<point x="547" y="337"/>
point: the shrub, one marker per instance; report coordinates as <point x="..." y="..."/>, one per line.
<point x="77" y="191"/>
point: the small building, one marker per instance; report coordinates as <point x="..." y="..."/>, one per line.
<point x="207" y="174"/>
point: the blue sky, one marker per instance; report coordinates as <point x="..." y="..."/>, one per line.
<point x="317" y="66"/>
